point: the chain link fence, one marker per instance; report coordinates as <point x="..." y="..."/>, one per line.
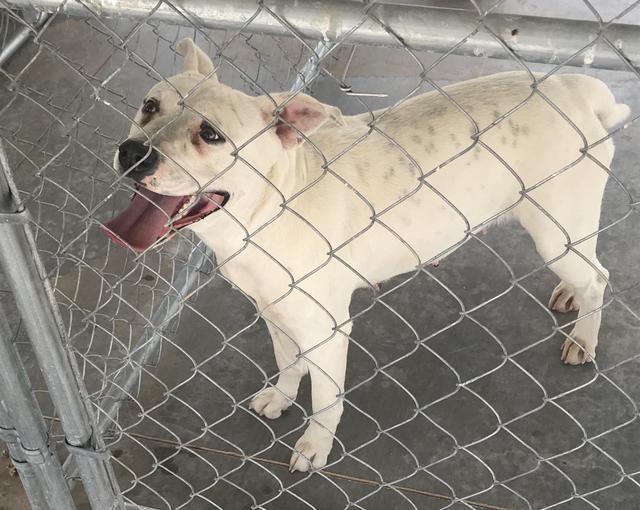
<point x="133" y="372"/>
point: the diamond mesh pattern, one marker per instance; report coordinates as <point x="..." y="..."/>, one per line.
<point x="455" y="396"/>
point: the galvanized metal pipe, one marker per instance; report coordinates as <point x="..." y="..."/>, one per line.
<point x="21" y="37"/>
<point x="535" y="39"/>
<point x="27" y="472"/>
<point x="23" y="270"/>
<point x="24" y="431"/>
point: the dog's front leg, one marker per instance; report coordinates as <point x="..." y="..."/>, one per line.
<point x="326" y="361"/>
<point x="271" y="401"/>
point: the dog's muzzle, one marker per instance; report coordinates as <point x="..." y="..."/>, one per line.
<point x="136" y="159"/>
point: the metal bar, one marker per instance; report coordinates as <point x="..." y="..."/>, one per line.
<point x="25" y="274"/>
<point x="29" y="476"/>
<point x="31" y="483"/>
<point x="310" y="68"/>
<point x="534" y="39"/>
<point x="25" y="432"/>
<point x="21" y="37"/>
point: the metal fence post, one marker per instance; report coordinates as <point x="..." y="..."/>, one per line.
<point x="24" y="431"/>
<point x="27" y="471"/>
<point x="22" y="37"/>
<point x="24" y="272"/>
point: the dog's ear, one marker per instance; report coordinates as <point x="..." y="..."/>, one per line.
<point x="194" y="58"/>
<point x="301" y="114"/>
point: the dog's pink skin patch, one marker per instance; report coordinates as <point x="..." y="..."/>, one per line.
<point x="303" y="116"/>
<point x="197" y="142"/>
<point x="166" y="180"/>
<point x="149" y="181"/>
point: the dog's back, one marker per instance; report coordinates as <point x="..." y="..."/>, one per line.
<point x="433" y="167"/>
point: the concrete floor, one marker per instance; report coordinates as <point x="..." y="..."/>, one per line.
<point x="183" y="439"/>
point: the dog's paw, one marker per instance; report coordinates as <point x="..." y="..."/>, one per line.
<point x="574" y="352"/>
<point x="311" y="450"/>
<point x="270" y="403"/>
<point x="563" y="299"/>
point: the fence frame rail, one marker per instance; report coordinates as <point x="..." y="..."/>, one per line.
<point x="34" y="298"/>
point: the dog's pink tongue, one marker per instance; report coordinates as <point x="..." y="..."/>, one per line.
<point x="143" y="222"/>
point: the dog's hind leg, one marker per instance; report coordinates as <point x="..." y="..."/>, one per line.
<point x="580" y="347"/>
<point x="576" y="209"/>
<point x="271" y="401"/>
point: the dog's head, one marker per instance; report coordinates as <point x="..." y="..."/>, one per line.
<point x="192" y="142"/>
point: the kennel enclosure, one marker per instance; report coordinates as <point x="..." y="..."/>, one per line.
<point x="126" y="377"/>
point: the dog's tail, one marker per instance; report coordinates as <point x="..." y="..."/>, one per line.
<point x="606" y="109"/>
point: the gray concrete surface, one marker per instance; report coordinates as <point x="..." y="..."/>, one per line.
<point x="183" y="439"/>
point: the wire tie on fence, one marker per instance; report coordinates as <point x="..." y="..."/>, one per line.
<point x="18" y="217"/>
<point x="88" y="451"/>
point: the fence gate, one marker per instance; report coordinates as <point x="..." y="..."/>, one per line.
<point x="126" y="377"/>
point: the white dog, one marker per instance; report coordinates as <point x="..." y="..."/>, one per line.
<point x="310" y="206"/>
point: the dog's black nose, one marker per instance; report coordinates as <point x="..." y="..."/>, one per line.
<point x="134" y="153"/>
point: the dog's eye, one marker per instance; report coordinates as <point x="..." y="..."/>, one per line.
<point x="210" y="134"/>
<point x="150" y="106"/>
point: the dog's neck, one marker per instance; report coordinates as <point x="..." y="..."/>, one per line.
<point x="260" y="201"/>
<point x="291" y="172"/>
<point x="272" y="187"/>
